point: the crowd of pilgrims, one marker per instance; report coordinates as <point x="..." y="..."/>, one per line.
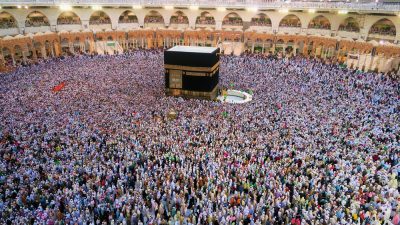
<point x="317" y="145"/>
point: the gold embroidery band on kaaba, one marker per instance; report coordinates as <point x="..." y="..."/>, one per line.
<point x="190" y="73"/>
<point x="192" y="68"/>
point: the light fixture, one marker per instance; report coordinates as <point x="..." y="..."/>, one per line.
<point x="18" y="6"/>
<point x="168" y="7"/>
<point x="65" y="7"/>
<point x="252" y="9"/>
<point x="343" y="12"/>
<point x="0" y="6"/>
<point x="311" y="10"/>
<point x="283" y="10"/>
<point x="221" y="9"/>
<point x="194" y="7"/>
<point x="26" y="7"/>
<point x="96" y="7"/>
<point x="137" y="7"/>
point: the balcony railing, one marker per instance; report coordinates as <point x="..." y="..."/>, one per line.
<point x="365" y="5"/>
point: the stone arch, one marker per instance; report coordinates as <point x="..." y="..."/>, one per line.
<point x="290" y="20"/>
<point x="77" y="44"/>
<point x="320" y="22"/>
<point x="57" y="47"/>
<point x="18" y="55"/>
<point x="179" y="18"/>
<point x="64" y="42"/>
<point x="64" y="45"/>
<point x="99" y="18"/>
<point x="128" y="16"/>
<point x="153" y="17"/>
<point x="384" y="27"/>
<point x="37" y="47"/>
<point x="36" y="19"/>
<point x="232" y="19"/>
<point x="268" y="43"/>
<point x="289" y="46"/>
<point x="7" y="55"/>
<point x="68" y="18"/>
<point x="280" y="41"/>
<point x="261" y="19"/>
<point x="350" y="24"/>
<point x="205" y="18"/>
<point x="48" y="48"/>
<point x="7" y="21"/>
<point x="29" y="52"/>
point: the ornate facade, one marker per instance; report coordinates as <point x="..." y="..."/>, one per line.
<point x="31" y="34"/>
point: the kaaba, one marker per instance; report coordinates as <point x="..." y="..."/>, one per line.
<point x="192" y="72"/>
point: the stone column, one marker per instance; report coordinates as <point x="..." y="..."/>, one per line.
<point x="13" y="57"/>
<point x="2" y="62"/>
<point x="43" y="51"/>
<point x="52" y="51"/>
<point x="263" y="45"/>
<point x="358" y="61"/>
<point x="218" y="25"/>
<point x="295" y="49"/>
<point x="323" y="52"/>
<point x="71" y="47"/>
<point x="365" y="60"/>
<point x="24" y="58"/>
<point x="92" y="46"/>
<point x="305" y="49"/>
<point x="34" y="55"/>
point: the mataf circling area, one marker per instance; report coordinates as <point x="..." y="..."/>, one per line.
<point x="87" y="140"/>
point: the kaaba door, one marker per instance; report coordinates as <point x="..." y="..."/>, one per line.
<point x="175" y="79"/>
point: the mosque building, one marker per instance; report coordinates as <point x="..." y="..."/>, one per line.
<point x="364" y="35"/>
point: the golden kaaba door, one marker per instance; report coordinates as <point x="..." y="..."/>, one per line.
<point x="175" y="79"/>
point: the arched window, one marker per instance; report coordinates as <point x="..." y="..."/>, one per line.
<point x="128" y="17"/>
<point x="68" y="18"/>
<point x="350" y="25"/>
<point x="261" y="20"/>
<point x="179" y="18"/>
<point x="383" y="27"/>
<point x="232" y="19"/>
<point x="320" y="22"/>
<point x="205" y="19"/>
<point x="36" y="19"/>
<point x="290" y="21"/>
<point x="99" y="18"/>
<point x="154" y="17"/>
<point x="7" y="21"/>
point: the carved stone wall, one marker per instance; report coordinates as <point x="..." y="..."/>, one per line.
<point x="14" y="50"/>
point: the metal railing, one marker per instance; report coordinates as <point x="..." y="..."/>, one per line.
<point x="272" y="4"/>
